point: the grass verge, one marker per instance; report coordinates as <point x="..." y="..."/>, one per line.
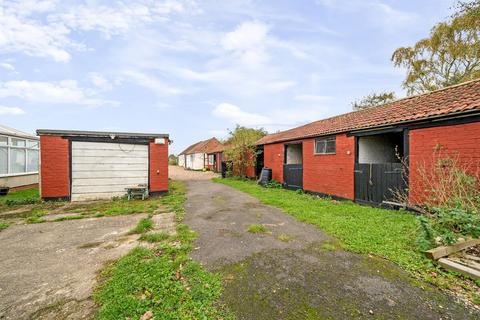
<point x="385" y="233"/>
<point x="162" y="280"/>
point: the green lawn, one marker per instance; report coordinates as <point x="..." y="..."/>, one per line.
<point x="21" y="196"/>
<point x="162" y="280"/>
<point x="385" y="233"/>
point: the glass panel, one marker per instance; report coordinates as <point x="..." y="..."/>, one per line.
<point x="3" y="160"/>
<point x="18" y="142"/>
<point x="32" y="161"/>
<point x="3" y="141"/>
<point x="32" y="144"/>
<point x="331" y="146"/>
<point x="320" y="146"/>
<point x="17" y="160"/>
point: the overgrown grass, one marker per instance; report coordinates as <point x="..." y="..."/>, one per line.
<point x="385" y="233"/>
<point x="21" y="196"/>
<point x="154" y="237"/>
<point x="163" y="280"/>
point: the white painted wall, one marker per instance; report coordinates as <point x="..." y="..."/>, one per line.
<point x="376" y="149"/>
<point x="103" y="170"/>
<point x="181" y="160"/>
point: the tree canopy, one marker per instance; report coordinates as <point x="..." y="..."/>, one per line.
<point x="240" y="149"/>
<point x="373" y="100"/>
<point x="450" y="55"/>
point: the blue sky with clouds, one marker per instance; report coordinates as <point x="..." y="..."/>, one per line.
<point x="195" y="68"/>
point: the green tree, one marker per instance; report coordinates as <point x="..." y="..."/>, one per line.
<point x="373" y="100"/>
<point x="240" y="150"/>
<point x="450" y="55"/>
<point x="172" y="160"/>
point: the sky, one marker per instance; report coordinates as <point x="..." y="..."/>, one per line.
<point x="194" y="69"/>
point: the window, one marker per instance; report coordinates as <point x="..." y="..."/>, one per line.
<point x="18" y="155"/>
<point x="210" y="158"/>
<point x="325" y="145"/>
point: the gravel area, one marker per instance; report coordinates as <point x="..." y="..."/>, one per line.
<point x="179" y="173"/>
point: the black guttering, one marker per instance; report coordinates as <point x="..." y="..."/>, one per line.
<point x="100" y="134"/>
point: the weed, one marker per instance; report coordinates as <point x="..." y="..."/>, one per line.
<point x="257" y="228"/>
<point x="36" y="216"/>
<point x="4" y="225"/>
<point x="154" y="237"/>
<point x="285" y="237"/>
<point x="328" y="247"/>
<point x="143" y="226"/>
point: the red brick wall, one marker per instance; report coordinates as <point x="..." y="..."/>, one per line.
<point x="54" y="167"/>
<point x="159" y="167"/>
<point x="461" y="142"/>
<point x="273" y="159"/>
<point x="330" y="174"/>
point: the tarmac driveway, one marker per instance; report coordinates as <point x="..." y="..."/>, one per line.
<point x="48" y="270"/>
<point x="294" y="271"/>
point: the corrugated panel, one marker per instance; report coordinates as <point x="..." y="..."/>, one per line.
<point x="103" y="170"/>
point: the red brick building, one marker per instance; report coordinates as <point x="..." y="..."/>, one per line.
<point x="370" y="154"/>
<point x="84" y="165"/>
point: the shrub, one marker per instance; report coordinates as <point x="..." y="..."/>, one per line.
<point x="273" y="184"/>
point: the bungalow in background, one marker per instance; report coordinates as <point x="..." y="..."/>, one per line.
<point x="195" y="157"/>
<point x="18" y="159"/>
<point x="90" y="165"/>
<point x="368" y="154"/>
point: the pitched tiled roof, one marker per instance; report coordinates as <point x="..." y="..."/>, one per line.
<point x="457" y="99"/>
<point x="205" y="146"/>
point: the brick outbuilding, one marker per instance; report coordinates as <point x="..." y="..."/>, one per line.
<point x="370" y="155"/>
<point x="85" y="165"/>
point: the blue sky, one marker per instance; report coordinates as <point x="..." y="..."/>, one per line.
<point x="194" y="69"/>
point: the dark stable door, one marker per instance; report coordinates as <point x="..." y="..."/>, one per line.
<point x="378" y="182"/>
<point x="293" y="176"/>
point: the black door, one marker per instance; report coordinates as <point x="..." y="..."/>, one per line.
<point x="378" y="182"/>
<point x="293" y="176"/>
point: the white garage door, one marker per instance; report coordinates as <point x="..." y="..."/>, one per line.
<point x="103" y="170"/>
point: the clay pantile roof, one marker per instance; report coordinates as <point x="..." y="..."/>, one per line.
<point x="452" y="100"/>
<point x="204" y="146"/>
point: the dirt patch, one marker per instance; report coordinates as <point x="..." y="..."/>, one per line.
<point x="307" y="277"/>
<point x="48" y="270"/>
<point x="179" y="173"/>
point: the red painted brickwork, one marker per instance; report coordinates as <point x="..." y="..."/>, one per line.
<point x="330" y="174"/>
<point x="273" y="159"/>
<point x="219" y="161"/>
<point x="54" y="167"/>
<point x="158" y="167"/>
<point x="461" y="142"/>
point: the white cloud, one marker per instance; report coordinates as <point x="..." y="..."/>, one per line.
<point x="99" y="81"/>
<point x="62" y="92"/>
<point x="151" y="82"/>
<point x="236" y="115"/>
<point x="277" y="119"/>
<point x="7" y="66"/>
<point x="11" y="110"/>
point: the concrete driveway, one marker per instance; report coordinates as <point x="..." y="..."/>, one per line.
<point x="295" y="271"/>
<point x="48" y="270"/>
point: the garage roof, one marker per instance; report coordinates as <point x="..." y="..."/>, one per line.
<point x="459" y="99"/>
<point x="99" y="134"/>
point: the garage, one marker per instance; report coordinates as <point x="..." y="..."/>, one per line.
<point x="90" y="165"/>
<point x="102" y="170"/>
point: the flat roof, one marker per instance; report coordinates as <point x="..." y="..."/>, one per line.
<point x="99" y="134"/>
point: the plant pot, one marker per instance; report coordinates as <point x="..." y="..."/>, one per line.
<point x="4" y="191"/>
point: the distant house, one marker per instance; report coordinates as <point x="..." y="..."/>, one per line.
<point x="18" y="158"/>
<point x="359" y="155"/>
<point x="195" y="157"/>
<point x="89" y="165"/>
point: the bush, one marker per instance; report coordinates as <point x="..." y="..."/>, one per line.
<point x="273" y="184"/>
<point x="446" y="226"/>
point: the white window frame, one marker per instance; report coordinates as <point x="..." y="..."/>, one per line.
<point x="10" y="146"/>
<point x="326" y="140"/>
<point x="211" y="158"/>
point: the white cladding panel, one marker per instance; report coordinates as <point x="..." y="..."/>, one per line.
<point x="103" y="170"/>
